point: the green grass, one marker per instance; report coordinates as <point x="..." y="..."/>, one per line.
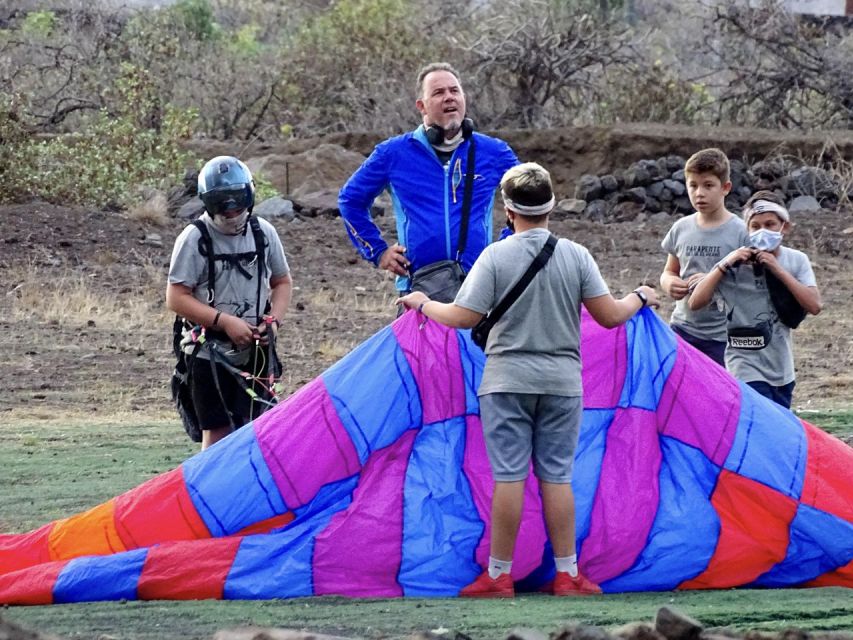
<point x="49" y="472"/>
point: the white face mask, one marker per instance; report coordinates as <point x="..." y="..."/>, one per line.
<point x="765" y="240"/>
<point x="230" y="226"/>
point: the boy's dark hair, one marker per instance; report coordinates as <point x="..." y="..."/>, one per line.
<point x="428" y="69"/>
<point x="712" y="161"/>
<point x="764" y="194"/>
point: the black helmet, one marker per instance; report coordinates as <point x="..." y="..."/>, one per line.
<point x="225" y="184"/>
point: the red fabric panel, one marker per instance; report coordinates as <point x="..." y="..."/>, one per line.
<point x="754" y="525"/>
<point x="265" y="526"/>
<point x="21" y="550"/>
<point x="829" y="474"/>
<point x="158" y="510"/>
<point x="187" y="570"/>
<point x="31" y="586"/>
<point x="841" y="577"/>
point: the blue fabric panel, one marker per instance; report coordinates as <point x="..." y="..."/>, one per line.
<point x="473" y="361"/>
<point x="819" y="542"/>
<point x="685" y="531"/>
<point x="770" y="444"/>
<point x="441" y="525"/>
<point x="100" y="577"/>
<point x="374" y="393"/>
<point x="231" y="486"/>
<point x="279" y="565"/>
<point x="588" y="457"/>
<point x="651" y="356"/>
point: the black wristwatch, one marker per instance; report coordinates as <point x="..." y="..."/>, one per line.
<point x="642" y="297"/>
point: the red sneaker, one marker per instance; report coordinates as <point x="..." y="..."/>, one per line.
<point x="566" y="585"/>
<point x="486" y="587"/>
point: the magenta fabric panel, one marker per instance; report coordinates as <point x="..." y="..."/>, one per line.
<point x="700" y="410"/>
<point x="627" y="499"/>
<point x="359" y="553"/>
<point x="532" y="535"/>
<point x="604" y="353"/>
<point x="305" y="445"/>
<point x="435" y="362"/>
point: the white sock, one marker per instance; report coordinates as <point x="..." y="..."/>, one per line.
<point x="497" y="567"/>
<point x="569" y="563"/>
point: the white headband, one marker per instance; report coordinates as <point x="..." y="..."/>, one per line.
<point x="765" y="206"/>
<point x="529" y="210"/>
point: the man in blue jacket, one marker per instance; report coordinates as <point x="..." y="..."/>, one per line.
<point x="425" y="173"/>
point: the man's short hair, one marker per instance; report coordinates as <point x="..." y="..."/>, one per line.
<point x="527" y="186"/>
<point x="428" y="69"/>
<point x="712" y="161"/>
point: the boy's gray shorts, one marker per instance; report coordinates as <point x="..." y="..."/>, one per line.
<point x="517" y="425"/>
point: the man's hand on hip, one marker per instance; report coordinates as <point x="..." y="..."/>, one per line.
<point x="394" y="260"/>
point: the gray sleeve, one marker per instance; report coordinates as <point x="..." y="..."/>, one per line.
<point x="669" y="241"/>
<point x="478" y="290"/>
<point x="187" y="266"/>
<point x="275" y="252"/>
<point x="592" y="284"/>
<point x="803" y="271"/>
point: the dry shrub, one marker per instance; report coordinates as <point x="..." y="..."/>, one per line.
<point x="154" y="210"/>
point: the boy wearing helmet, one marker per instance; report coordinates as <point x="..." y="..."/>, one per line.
<point x="530" y="394"/>
<point x="236" y="308"/>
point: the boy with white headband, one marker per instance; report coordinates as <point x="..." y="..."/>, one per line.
<point x="756" y="285"/>
<point x="530" y="394"/>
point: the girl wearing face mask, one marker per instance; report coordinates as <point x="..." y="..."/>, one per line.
<point x="764" y="290"/>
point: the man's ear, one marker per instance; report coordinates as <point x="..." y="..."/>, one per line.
<point x="786" y="227"/>
<point x="420" y="106"/>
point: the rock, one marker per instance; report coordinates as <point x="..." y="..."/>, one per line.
<point x="745" y="193"/>
<point x="609" y="182"/>
<point x="678" y="175"/>
<point x="652" y="205"/>
<point x="682" y="205"/>
<point x="190" y="210"/>
<point x="637" y="631"/>
<point x="11" y="631"/>
<point x="666" y="195"/>
<point x="152" y="240"/>
<point x="275" y="207"/>
<point x="319" y="203"/>
<point x="588" y="188"/>
<point x="675" y="164"/>
<point x="581" y="632"/>
<point x="811" y="181"/>
<point x="733" y="204"/>
<point x="635" y="194"/>
<point x="626" y="211"/>
<point x="323" y="167"/>
<point x="676" y="187"/>
<point x="570" y="206"/>
<point x="528" y="634"/>
<point x="659" y="217"/>
<point x="637" y="176"/>
<point x="803" y="204"/>
<point x="655" y="189"/>
<point x="653" y="169"/>
<point x="674" y="625"/>
<point x="596" y="210"/>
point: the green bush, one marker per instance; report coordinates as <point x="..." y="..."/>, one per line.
<point x="106" y="162"/>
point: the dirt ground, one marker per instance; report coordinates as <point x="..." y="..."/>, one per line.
<point x="84" y="333"/>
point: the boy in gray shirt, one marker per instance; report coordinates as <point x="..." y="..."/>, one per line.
<point x="531" y="395"/>
<point x="695" y="243"/>
<point x="759" y="350"/>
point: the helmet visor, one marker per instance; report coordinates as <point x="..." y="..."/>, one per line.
<point x="227" y="198"/>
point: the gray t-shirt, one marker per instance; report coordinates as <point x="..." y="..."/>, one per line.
<point x="743" y="297"/>
<point x="535" y="346"/>
<point x="236" y="294"/>
<point x="698" y="250"/>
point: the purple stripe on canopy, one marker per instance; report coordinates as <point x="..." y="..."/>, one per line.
<point x="627" y="498"/>
<point x="604" y="354"/>
<point x="701" y="411"/>
<point x="292" y="436"/>
<point x="359" y="553"/>
<point x="531" y="535"/>
<point x="434" y="359"/>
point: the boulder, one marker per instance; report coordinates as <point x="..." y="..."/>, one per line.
<point x="275" y="207"/>
<point x="570" y="206"/>
<point x="674" y="625"/>
<point x="190" y="210"/>
<point x="803" y="204"/>
<point x="327" y="166"/>
<point x="588" y="188"/>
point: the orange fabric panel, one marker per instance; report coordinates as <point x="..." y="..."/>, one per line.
<point x="187" y="570"/>
<point x="91" y="533"/>
<point x="754" y="532"/>
<point x="158" y="510"/>
<point x="21" y="550"/>
<point x="265" y="526"/>
<point x="829" y="474"/>
<point x="31" y="586"/>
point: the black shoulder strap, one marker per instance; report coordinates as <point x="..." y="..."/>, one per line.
<point x="466" y="201"/>
<point x="539" y="261"/>
<point x="260" y="245"/>
<point x="205" y="248"/>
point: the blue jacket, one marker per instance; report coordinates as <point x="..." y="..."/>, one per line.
<point x="427" y="198"/>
